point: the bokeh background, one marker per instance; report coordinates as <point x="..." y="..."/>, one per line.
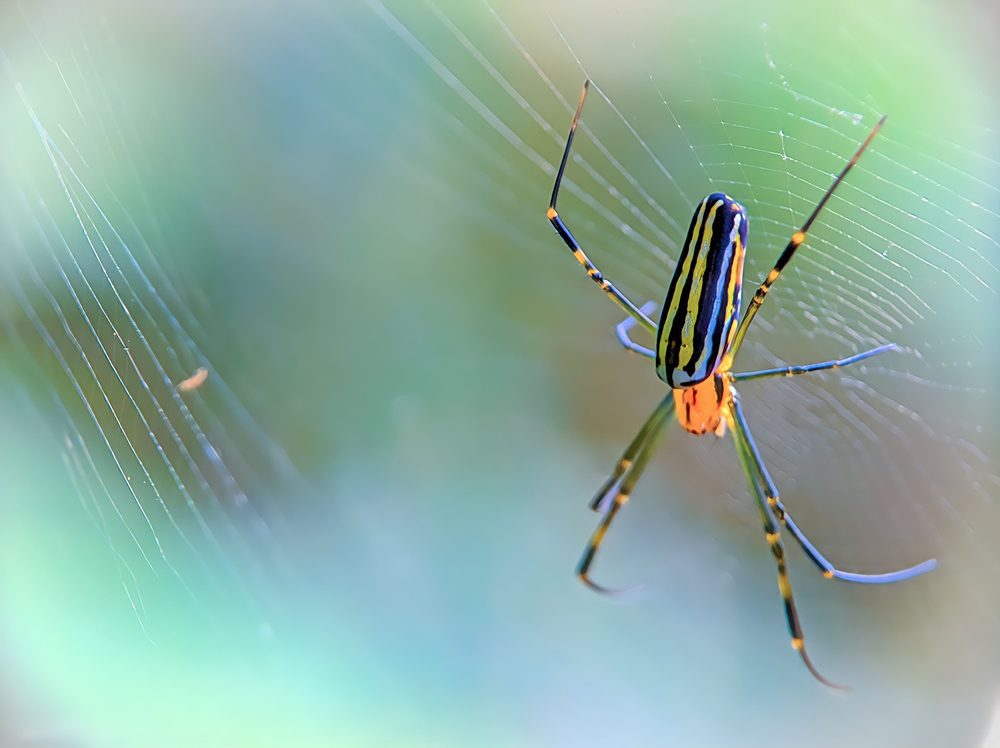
<point x="361" y="529"/>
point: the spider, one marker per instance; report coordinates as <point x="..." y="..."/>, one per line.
<point x="696" y="341"/>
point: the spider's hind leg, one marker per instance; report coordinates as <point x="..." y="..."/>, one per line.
<point x="566" y="235"/>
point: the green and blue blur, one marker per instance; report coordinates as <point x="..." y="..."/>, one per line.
<point x="416" y="390"/>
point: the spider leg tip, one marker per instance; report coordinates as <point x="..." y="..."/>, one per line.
<point x="608" y="591"/>
<point x="798" y="646"/>
<point x="923" y="568"/>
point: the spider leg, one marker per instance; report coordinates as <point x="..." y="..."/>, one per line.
<point x="794" y="243"/>
<point x="773" y="538"/>
<point x="567" y="236"/>
<point x="623" y="327"/>
<point x="791" y="371"/>
<point x="628" y="470"/>
<point x="741" y="432"/>
<point x="627" y="460"/>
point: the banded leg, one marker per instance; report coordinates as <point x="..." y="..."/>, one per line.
<point x="794" y="243"/>
<point x="623" y="327"/>
<point x="742" y="434"/>
<point x="773" y="538"/>
<point x="567" y="236"/>
<point x="657" y="420"/>
<point x="629" y="469"/>
<point x="792" y="371"/>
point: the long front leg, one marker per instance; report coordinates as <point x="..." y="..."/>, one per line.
<point x="773" y="538"/>
<point x="567" y="236"/>
<point x="628" y="470"/>
<point x="745" y="440"/>
<point x="657" y="420"/>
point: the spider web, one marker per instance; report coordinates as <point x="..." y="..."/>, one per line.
<point x="885" y="463"/>
<point x="904" y="252"/>
<point x="167" y="463"/>
<point x="887" y="460"/>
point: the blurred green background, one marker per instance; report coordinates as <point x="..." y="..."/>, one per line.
<point x="367" y="531"/>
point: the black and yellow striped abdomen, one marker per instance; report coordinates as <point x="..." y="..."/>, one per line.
<point x="703" y="301"/>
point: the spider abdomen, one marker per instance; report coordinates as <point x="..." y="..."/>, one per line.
<point x="703" y="300"/>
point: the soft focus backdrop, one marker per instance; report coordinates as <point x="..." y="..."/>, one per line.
<point x="361" y="529"/>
